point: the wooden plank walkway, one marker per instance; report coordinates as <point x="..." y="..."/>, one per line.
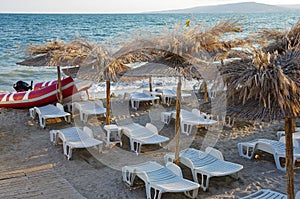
<point x="34" y="181"/>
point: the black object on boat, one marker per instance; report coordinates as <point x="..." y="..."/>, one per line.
<point x="22" y="86"/>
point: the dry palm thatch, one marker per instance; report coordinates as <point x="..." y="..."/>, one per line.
<point x="100" y="66"/>
<point x="58" y="53"/>
<point x="184" y="42"/>
<point x="265" y="86"/>
<point x="281" y="40"/>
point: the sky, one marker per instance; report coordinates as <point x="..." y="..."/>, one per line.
<point x="112" y="6"/>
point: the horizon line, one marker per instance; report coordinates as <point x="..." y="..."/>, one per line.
<point x="139" y="12"/>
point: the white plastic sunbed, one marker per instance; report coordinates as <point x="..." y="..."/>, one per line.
<point x="277" y="148"/>
<point x="168" y="95"/>
<point x="87" y="108"/>
<point x="139" y="135"/>
<point x="208" y="164"/>
<point x="74" y="137"/>
<point x="48" y="112"/>
<point x="296" y="137"/>
<point x="160" y="178"/>
<point x="137" y="97"/>
<point x="265" y="194"/>
<point x="188" y="120"/>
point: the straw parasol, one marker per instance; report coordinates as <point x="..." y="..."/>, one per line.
<point x="280" y="40"/>
<point x="100" y="66"/>
<point x="58" y="53"/>
<point x="267" y="87"/>
<point x="182" y="50"/>
<point x="168" y="64"/>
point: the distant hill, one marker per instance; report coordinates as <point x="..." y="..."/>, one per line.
<point x="247" y="7"/>
<point x="295" y="6"/>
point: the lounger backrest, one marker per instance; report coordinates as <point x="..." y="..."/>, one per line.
<point x="214" y="152"/>
<point x="60" y="106"/>
<point x="282" y="139"/>
<point x="88" y="131"/>
<point x="174" y="168"/>
<point x="297" y="195"/>
<point x="196" y="112"/>
<point x="126" y="96"/>
<point x="147" y="92"/>
<point x="152" y="128"/>
<point x="99" y="103"/>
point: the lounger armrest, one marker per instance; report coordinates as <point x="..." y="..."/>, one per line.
<point x="174" y="168"/>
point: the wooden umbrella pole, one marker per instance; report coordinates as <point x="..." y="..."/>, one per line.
<point x="205" y="91"/>
<point x="150" y="84"/>
<point x="60" y="95"/>
<point x="107" y="102"/>
<point x="177" y="121"/>
<point x="289" y="164"/>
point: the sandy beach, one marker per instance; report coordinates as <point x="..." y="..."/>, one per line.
<point x="32" y="167"/>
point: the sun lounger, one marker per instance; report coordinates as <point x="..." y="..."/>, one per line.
<point x="296" y="137"/>
<point x="48" y="112"/>
<point x="277" y="148"/>
<point x="168" y="95"/>
<point x="138" y="97"/>
<point x="208" y="164"/>
<point x="282" y="133"/>
<point x="73" y="138"/>
<point x="160" y="179"/>
<point x="265" y="194"/>
<point x="139" y="135"/>
<point x="188" y="120"/>
<point x="87" y="108"/>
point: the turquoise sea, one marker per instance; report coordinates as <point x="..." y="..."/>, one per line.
<point x="17" y="31"/>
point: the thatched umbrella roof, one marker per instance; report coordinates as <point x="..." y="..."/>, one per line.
<point x="58" y="53"/>
<point x="265" y="87"/>
<point x="280" y="40"/>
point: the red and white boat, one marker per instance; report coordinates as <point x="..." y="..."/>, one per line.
<point x="41" y="94"/>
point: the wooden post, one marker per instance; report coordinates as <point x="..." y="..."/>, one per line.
<point x="60" y="94"/>
<point x="150" y="84"/>
<point x="288" y="128"/>
<point x="177" y="121"/>
<point x="205" y="92"/>
<point x="107" y="102"/>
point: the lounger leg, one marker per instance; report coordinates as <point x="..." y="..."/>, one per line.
<point x="67" y="151"/>
<point x="70" y="153"/>
<point x="132" y="144"/>
<point x="128" y="176"/>
<point x="277" y="162"/>
<point x="138" y="148"/>
<point x="205" y="181"/>
<point x="157" y="193"/>
<point x="249" y="153"/>
<point x="192" y="194"/>
<point x="85" y="117"/>
<point x="186" y="128"/>
<point x="42" y="121"/>
<point x="68" y="119"/>
<point x="52" y="136"/>
<point x="81" y="115"/>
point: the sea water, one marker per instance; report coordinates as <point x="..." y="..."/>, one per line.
<point x="18" y="31"/>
